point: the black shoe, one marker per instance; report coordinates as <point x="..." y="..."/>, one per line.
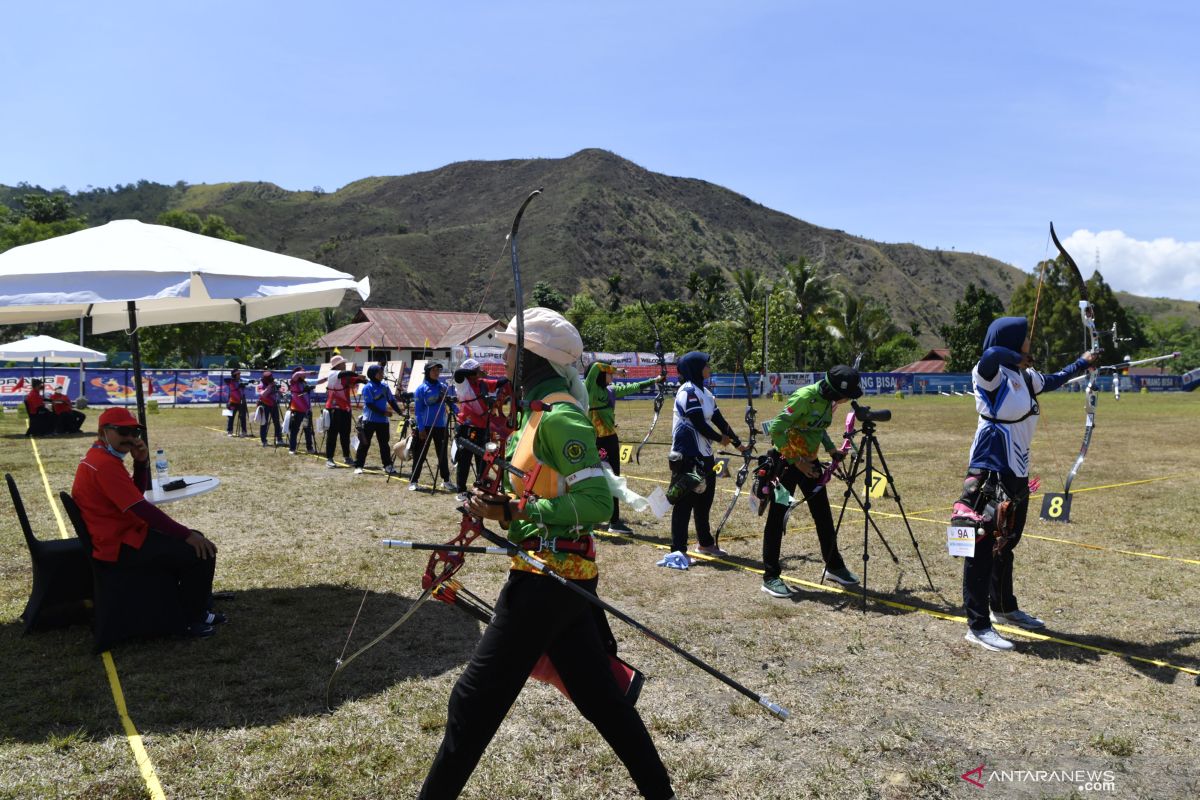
<point x="199" y="630"/>
<point x="619" y="526"/>
<point x="215" y="618"/>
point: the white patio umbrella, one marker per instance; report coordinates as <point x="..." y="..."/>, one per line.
<point x="48" y="349"/>
<point x="127" y="274"/>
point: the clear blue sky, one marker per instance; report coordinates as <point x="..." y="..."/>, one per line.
<point x="948" y="124"/>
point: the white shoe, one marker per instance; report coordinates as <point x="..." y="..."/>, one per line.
<point x="358" y="470"/>
<point x="450" y="486"/>
<point x="291" y="452"/>
<point x="1018" y="618"/>
<point x="330" y="465"/>
<point x="989" y="639"/>
<point x="412" y="487"/>
<point x="390" y="470"/>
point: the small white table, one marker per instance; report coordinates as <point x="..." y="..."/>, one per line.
<point x="196" y="485"/>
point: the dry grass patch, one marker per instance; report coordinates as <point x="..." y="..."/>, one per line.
<point x="890" y="703"/>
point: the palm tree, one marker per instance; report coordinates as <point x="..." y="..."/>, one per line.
<point x="860" y="326"/>
<point x="614" y="291"/>
<point x="812" y="295"/>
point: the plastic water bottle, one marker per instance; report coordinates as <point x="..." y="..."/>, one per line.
<point x="160" y="467"/>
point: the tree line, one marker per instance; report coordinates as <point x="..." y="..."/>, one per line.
<point x="807" y="319"/>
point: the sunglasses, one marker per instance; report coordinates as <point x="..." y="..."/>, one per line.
<point x="132" y="431"/>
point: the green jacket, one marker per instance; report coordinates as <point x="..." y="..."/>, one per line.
<point x="600" y="405"/>
<point x="566" y="443"/>
<point x="800" y="428"/>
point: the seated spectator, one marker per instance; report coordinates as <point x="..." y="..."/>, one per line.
<point x="67" y="419"/>
<point x="128" y="530"/>
<point x="41" y="418"/>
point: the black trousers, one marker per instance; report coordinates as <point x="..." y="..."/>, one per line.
<point x="70" y="421"/>
<point x="423" y="441"/>
<point x="536" y="615"/>
<point x="175" y="556"/>
<point x="988" y="578"/>
<point x="818" y="507"/>
<point x="463" y="467"/>
<point x="339" y="428"/>
<point x="239" y="413"/>
<point x="294" y="422"/>
<point x="42" y="423"/>
<point x="692" y="505"/>
<point x="381" y="431"/>
<point x="272" y="417"/>
<point x="611" y="445"/>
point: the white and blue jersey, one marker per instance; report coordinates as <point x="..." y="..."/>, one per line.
<point x="1008" y="415"/>
<point x="696" y="421"/>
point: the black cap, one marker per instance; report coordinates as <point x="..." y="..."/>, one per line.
<point x="844" y="382"/>
<point x="431" y="365"/>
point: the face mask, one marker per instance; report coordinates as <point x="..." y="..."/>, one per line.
<point x="112" y="451"/>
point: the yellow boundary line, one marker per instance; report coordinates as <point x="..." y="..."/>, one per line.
<point x="1086" y="545"/>
<point x="144" y="764"/>
<point x="943" y="615"/>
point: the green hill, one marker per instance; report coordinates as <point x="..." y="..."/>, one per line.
<point x="428" y="239"/>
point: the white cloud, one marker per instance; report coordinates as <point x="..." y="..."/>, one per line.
<point x="1157" y="268"/>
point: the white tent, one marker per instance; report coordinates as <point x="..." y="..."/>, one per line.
<point x="127" y="274"/>
<point x="48" y="349"/>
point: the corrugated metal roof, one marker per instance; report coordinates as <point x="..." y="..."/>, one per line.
<point x="407" y="328"/>
<point x="933" y="361"/>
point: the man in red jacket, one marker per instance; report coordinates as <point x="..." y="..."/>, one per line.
<point x="130" y="531"/>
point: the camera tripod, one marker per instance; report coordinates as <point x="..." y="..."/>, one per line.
<point x="862" y="466"/>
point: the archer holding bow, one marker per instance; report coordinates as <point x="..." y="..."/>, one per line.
<point x="602" y="397"/>
<point x="995" y="495"/>
<point x="796" y="435"/>
<point x="565" y="493"/>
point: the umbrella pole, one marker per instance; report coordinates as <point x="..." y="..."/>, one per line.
<point x="136" y="352"/>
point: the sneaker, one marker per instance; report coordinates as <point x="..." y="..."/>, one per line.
<point x="330" y="464"/>
<point x="989" y="640"/>
<point x="358" y="470"/>
<point x="776" y="588"/>
<point x="841" y="575"/>
<point x="676" y="560"/>
<point x="215" y="618"/>
<point x="713" y="549"/>
<point x="230" y="435"/>
<point x="1018" y="618"/>
<point x="291" y="452"/>
<point x="412" y="486"/>
<point x="199" y="630"/>
<point x="619" y="526"/>
<point x="264" y="444"/>
<point x="390" y="470"/>
<point x="450" y="486"/>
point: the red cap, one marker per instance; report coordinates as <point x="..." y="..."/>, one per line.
<point x="118" y="415"/>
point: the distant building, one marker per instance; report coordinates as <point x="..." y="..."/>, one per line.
<point x="933" y="361"/>
<point x="408" y="335"/>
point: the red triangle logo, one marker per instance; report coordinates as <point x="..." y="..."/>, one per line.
<point x="977" y="772"/>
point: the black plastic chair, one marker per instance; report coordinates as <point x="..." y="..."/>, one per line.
<point x="130" y="602"/>
<point x="62" y="579"/>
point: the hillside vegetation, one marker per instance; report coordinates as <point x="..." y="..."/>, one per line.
<point x="427" y="238"/>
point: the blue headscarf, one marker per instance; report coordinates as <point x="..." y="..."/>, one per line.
<point x="1006" y="332"/>
<point x="691" y="367"/>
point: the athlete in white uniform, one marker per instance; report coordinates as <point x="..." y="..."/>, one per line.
<point x="1006" y="391"/>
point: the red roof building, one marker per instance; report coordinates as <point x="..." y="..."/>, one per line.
<point x="933" y="361"/>
<point x="406" y="334"/>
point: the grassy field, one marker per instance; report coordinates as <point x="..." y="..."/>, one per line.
<point x="886" y="703"/>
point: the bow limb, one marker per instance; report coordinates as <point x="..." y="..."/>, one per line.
<point x="747" y="454"/>
<point x="661" y="395"/>
<point x="1087" y="315"/>
<point x="438" y="580"/>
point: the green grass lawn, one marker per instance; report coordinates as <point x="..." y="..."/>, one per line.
<point x="886" y="703"/>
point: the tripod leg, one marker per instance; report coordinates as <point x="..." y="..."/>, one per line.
<point x="900" y="505"/>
